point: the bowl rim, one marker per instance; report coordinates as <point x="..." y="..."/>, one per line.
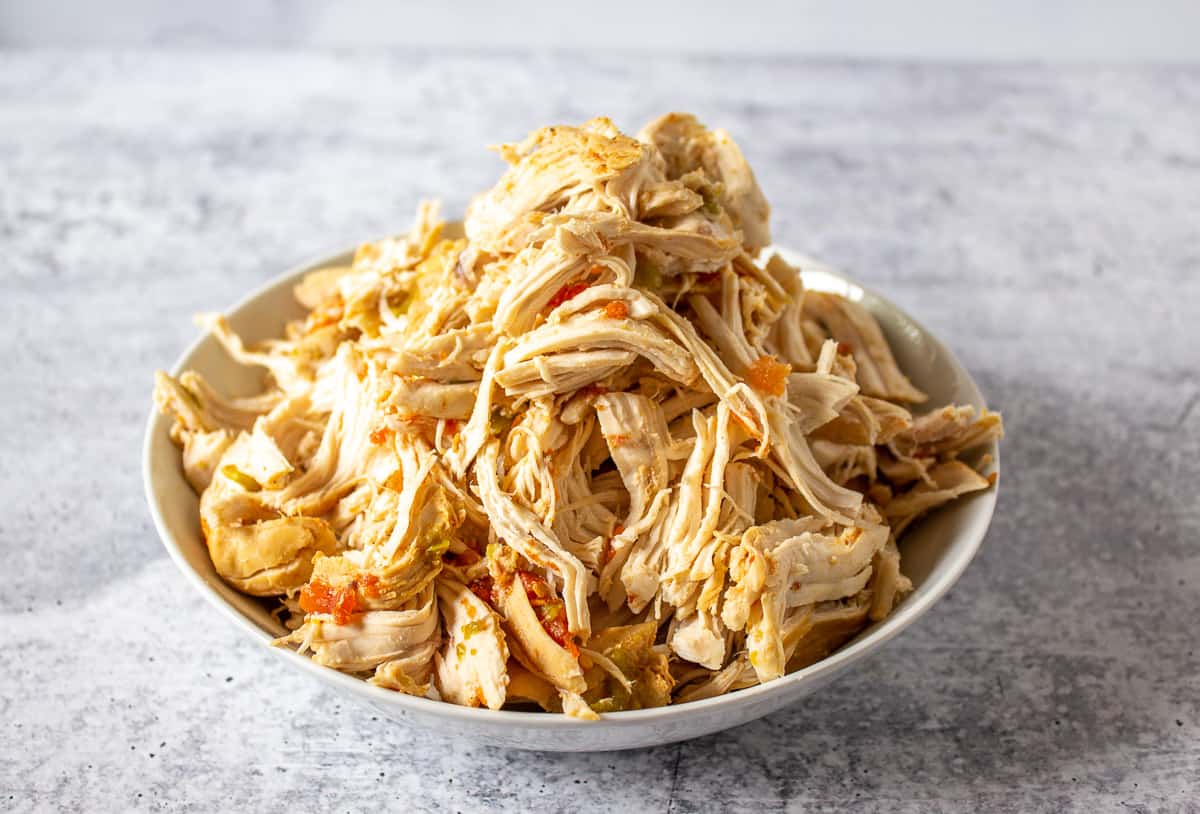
<point x="950" y="567"/>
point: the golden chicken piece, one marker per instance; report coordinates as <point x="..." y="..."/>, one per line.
<point x="251" y="546"/>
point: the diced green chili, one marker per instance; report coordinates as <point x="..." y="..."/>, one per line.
<point x="500" y="421"/>
<point x="471" y="628"/>
<point x="606" y="705"/>
<point x="648" y="275"/>
<point x="550" y="611"/>
<point x="712" y="198"/>
<point x="241" y="478"/>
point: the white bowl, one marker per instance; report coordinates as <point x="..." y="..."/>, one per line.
<point x="935" y="551"/>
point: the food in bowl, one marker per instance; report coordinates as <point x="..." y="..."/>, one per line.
<point x="599" y="451"/>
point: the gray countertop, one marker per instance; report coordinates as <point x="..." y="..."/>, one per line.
<point x="1045" y="222"/>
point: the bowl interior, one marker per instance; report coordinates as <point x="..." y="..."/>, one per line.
<point x="934" y="551"/>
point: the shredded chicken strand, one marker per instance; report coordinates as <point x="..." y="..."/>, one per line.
<point x="596" y="449"/>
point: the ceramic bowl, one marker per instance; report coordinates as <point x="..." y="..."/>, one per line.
<point x="934" y="552"/>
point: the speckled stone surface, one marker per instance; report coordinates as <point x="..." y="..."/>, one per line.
<point x="1044" y="222"/>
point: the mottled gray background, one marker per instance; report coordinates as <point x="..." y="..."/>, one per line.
<point x="1044" y="221"/>
<point x="1052" y="30"/>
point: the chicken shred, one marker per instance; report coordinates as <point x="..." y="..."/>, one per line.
<point x="597" y="449"/>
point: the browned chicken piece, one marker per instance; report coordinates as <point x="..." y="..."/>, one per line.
<point x="252" y="547"/>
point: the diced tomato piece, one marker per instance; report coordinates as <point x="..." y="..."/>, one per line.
<point x="536" y="588"/>
<point x="314" y="596"/>
<point x="485" y="589"/>
<point x="556" y="626"/>
<point x="319" y="597"/>
<point x="370" y="585"/>
<point x="567" y="292"/>
<point x="345" y="606"/>
<point x="380" y="435"/>
<point x="768" y="375"/>
<point x="554" y="620"/>
<point x="550" y="610"/>
<point x="617" y="309"/>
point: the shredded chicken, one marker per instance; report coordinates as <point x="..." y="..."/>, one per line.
<point x="596" y="450"/>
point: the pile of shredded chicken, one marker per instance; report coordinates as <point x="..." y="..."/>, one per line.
<point x="594" y="450"/>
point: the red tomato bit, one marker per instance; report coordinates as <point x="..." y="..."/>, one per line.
<point x="768" y="375"/>
<point x="340" y="603"/>
<point x="554" y="620"/>
<point x="567" y="292"/>
<point x="617" y="309"/>
<point x="485" y="589"/>
<point x="370" y="585"/>
<point x="550" y="610"/>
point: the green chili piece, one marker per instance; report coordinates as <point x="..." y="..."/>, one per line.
<point x="241" y="478"/>
<point x="648" y="275"/>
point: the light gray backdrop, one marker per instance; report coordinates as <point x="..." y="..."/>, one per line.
<point x="1044" y="30"/>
